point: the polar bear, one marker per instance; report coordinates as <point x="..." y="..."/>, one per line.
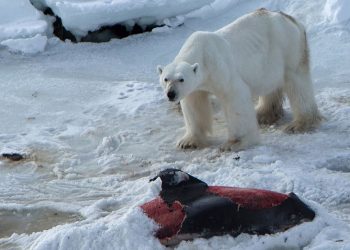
<point x="263" y="54"/>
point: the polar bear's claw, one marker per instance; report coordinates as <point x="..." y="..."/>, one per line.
<point x="231" y="145"/>
<point x="298" y="127"/>
<point x="189" y="142"/>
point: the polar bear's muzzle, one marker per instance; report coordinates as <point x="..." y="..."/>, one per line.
<point x="171" y="94"/>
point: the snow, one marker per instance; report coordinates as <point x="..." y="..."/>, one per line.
<point x="22" y="27"/>
<point x="30" y="45"/>
<point x="95" y="126"/>
<point x="337" y="11"/>
<point x="21" y="24"/>
<point x="80" y="16"/>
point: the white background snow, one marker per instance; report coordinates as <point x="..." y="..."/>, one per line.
<point x="95" y="126"/>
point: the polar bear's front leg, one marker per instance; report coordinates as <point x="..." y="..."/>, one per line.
<point x="241" y="119"/>
<point x="189" y="141"/>
<point x="198" y="120"/>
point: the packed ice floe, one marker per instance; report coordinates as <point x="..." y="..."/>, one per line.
<point x="24" y="19"/>
<point x="94" y="127"/>
<point x="337" y="11"/>
<point x="80" y="16"/>
<point x="22" y="27"/>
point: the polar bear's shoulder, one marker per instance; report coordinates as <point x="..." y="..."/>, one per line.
<point x="200" y="37"/>
<point x="205" y="39"/>
<point x="200" y="42"/>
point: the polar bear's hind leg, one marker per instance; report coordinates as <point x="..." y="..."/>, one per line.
<point x="270" y="107"/>
<point x="299" y="89"/>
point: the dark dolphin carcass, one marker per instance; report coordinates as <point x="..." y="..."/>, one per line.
<point x="188" y="208"/>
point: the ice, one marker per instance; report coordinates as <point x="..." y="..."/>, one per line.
<point x="95" y="126"/>
<point x="20" y="20"/>
<point x="81" y="16"/>
<point x="22" y="27"/>
<point x="30" y="45"/>
<point x="337" y="11"/>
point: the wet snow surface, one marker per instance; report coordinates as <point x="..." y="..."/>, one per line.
<point x="94" y="126"/>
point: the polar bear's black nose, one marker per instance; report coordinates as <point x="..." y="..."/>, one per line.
<point x="171" y="95"/>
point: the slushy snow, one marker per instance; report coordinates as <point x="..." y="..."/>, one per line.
<point x="95" y="127"/>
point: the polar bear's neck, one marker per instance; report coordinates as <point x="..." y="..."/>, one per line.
<point x="189" y="54"/>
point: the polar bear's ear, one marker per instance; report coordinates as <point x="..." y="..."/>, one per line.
<point x="160" y="69"/>
<point x="195" y="67"/>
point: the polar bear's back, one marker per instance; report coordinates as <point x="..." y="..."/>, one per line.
<point x="263" y="27"/>
<point x="269" y="42"/>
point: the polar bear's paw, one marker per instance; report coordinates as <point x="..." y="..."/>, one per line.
<point x="190" y="142"/>
<point x="231" y="145"/>
<point x="302" y="126"/>
<point x="268" y="117"/>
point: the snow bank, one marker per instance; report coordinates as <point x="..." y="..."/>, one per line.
<point x="337" y="11"/>
<point x="22" y="27"/>
<point x="81" y="16"/>
<point x="132" y="230"/>
<point x="19" y="20"/>
<point x="215" y="8"/>
<point x="30" y="45"/>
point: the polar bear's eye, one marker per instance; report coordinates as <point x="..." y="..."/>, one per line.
<point x="165" y="79"/>
<point x="181" y="80"/>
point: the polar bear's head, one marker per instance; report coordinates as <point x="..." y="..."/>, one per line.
<point x="179" y="79"/>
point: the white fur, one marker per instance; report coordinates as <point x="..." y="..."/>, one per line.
<point x="263" y="53"/>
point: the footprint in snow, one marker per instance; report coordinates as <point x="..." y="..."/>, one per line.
<point x="122" y="96"/>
